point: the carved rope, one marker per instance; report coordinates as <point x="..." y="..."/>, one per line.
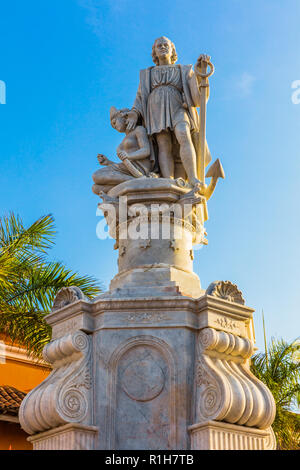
<point x="65" y="396"/>
<point x="226" y="389"/>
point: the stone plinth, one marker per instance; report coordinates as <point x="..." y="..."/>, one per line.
<point x="215" y="435"/>
<point x="156" y="362"/>
<point x="155" y="223"/>
<point x="68" y="437"/>
<point x="160" y="373"/>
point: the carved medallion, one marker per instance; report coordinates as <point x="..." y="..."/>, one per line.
<point x="143" y="380"/>
<point x="74" y="405"/>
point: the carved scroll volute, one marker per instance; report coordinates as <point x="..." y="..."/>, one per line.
<point x="65" y="396"/>
<point x="226" y="390"/>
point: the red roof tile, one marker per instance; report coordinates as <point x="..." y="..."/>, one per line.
<point x="10" y="400"/>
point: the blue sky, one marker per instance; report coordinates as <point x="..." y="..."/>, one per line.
<point x="66" y="62"/>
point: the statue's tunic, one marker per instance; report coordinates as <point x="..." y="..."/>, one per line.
<point x="169" y="94"/>
<point x="165" y="103"/>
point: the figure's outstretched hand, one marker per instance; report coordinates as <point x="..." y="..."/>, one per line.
<point x="132" y="118"/>
<point x="102" y="159"/>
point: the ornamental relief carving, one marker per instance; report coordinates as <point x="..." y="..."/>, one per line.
<point x="62" y="329"/>
<point x="146" y="317"/>
<point x="201" y="376"/>
<point x="66" y="296"/>
<point x="65" y="395"/>
<point x="226" y="390"/>
<point x="226" y="290"/>
<point x="73" y="405"/>
<point x="225" y="322"/>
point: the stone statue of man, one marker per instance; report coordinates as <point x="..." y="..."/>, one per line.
<point x="167" y="101"/>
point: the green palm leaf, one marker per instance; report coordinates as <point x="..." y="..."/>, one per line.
<point x="29" y="281"/>
<point x="279" y="369"/>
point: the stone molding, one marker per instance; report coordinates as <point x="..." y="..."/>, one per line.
<point x="68" y="437"/>
<point x="225" y="388"/>
<point x="106" y="312"/>
<point x="9" y="418"/>
<point x="65" y="396"/>
<point x="18" y="354"/>
<point x="213" y="435"/>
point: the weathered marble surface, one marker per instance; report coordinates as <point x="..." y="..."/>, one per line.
<point x="68" y="437"/>
<point x="156" y="362"/>
<point x="164" y="373"/>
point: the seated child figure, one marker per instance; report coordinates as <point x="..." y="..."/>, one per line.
<point x="134" y="151"/>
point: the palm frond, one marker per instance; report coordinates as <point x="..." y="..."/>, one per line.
<point x="279" y="369"/>
<point x="29" y="282"/>
<point x="14" y="237"/>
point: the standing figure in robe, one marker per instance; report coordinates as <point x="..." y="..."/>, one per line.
<point x="167" y="101"/>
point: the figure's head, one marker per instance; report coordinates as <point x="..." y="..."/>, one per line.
<point x="164" y="49"/>
<point x="118" y="118"/>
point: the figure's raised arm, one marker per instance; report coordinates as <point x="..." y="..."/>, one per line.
<point x="143" y="143"/>
<point x="203" y="62"/>
<point x="132" y="118"/>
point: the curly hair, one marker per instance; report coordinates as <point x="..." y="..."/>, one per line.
<point x="174" y="56"/>
<point x="118" y="112"/>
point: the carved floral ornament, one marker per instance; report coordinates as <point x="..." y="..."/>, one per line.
<point x="226" y="290"/>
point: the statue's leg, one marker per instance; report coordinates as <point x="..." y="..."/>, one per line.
<point x="165" y="158"/>
<point x="110" y="176"/>
<point x="187" y="151"/>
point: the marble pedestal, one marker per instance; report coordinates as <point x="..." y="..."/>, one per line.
<point x="157" y="362"/>
<point x="150" y="373"/>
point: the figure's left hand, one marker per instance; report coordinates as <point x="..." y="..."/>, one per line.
<point x="102" y="159"/>
<point x="203" y="58"/>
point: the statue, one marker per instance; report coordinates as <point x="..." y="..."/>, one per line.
<point x="167" y="101"/>
<point x="134" y="151"/>
<point x="172" y="358"/>
<point x="165" y="136"/>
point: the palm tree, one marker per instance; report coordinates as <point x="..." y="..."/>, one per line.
<point x="279" y="369"/>
<point x="29" y="281"/>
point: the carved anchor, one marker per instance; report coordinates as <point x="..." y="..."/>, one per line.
<point x="214" y="172"/>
